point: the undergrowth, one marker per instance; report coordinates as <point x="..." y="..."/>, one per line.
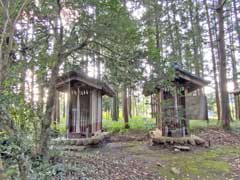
<point x="136" y="123"/>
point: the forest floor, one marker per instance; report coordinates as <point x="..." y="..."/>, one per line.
<point x="131" y="156"/>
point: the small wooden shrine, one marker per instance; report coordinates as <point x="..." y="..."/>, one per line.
<point x="84" y="103"/>
<point x="170" y="103"/>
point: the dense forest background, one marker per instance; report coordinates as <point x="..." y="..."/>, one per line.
<point x="123" y="42"/>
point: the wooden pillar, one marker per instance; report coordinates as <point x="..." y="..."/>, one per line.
<point x="99" y="110"/>
<point x="186" y="120"/>
<point x="93" y="100"/>
<point x="176" y="105"/>
<point x="68" y="110"/>
<point x="78" y="112"/>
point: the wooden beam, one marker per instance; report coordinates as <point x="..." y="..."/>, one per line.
<point x="59" y="84"/>
<point x="191" y="80"/>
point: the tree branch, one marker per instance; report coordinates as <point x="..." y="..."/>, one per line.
<point x="219" y="6"/>
<point x="20" y="11"/>
<point x="77" y="48"/>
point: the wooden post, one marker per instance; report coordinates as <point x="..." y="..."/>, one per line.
<point x="186" y="120"/>
<point x="125" y="108"/>
<point x="78" y="112"/>
<point x="176" y="104"/>
<point x="68" y="109"/>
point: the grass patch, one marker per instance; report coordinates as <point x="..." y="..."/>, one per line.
<point x="196" y="125"/>
<point x="136" y="123"/>
<point x="201" y="165"/>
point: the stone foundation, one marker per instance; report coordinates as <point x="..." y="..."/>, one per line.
<point x="157" y="138"/>
<point x="189" y="140"/>
<point x="94" y="140"/>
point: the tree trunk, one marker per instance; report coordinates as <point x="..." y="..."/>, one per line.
<point x="159" y="113"/>
<point x="233" y="61"/>
<point x="152" y="102"/>
<point x="195" y="47"/>
<point x="236" y="20"/>
<point x="170" y="30"/>
<point x="32" y="86"/>
<point x="177" y="32"/>
<point x="225" y="111"/>
<point x="22" y="169"/>
<point x="46" y="122"/>
<point x="125" y="108"/>
<point x="213" y="60"/>
<point x="130" y="102"/>
<point x="58" y="59"/>
<point x="115" y="112"/>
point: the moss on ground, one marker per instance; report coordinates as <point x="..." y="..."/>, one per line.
<point x="200" y="164"/>
<point x="208" y="164"/>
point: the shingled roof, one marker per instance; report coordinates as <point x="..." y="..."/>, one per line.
<point x="182" y="78"/>
<point x="80" y="79"/>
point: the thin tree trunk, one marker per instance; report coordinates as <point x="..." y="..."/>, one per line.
<point x="213" y="60"/>
<point x="125" y="108"/>
<point x="32" y="86"/>
<point x="152" y="106"/>
<point x="233" y="61"/>
<point x="177" y="32"/>
<point x="225" y="111"/>
<point x="170" y="30"/>
<point x="195" y="48"/>
<point x="22" y="169"/>
<point x="236" y="20"/>
<point x="115" y="112"/>
<point x="130" y="102"/>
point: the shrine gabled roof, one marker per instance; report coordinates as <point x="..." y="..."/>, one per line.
<point x="182" y="78"/>
<point x="196" y="81"/>
<point x="81" y="79"/>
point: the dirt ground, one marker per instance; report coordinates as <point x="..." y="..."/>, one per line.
<point x="131" y="156"/>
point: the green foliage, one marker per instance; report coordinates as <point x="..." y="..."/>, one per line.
<point x="136" y="123"/>
<point x="59" y="129"/>
<point x="19" y="151"/>
<point x="202" y="124"/>
<point x="196" y="125"/>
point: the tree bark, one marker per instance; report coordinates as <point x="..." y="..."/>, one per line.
<point x="225" y="111"/>
<point x="195" y="47"/>
<point x="58" y="59"/>
<point x="130" y="102"/>
<point x="236" y="20"/>
<point x="213" y="60"/>
<point x="115" y="112"/>
<point x="125" y="108"/>
<point x="233" y="62"/>
<point x="46" y="122"/>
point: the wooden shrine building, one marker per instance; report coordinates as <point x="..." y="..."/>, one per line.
<point x="84" y="103"/>
<point x="175" y="105"/>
